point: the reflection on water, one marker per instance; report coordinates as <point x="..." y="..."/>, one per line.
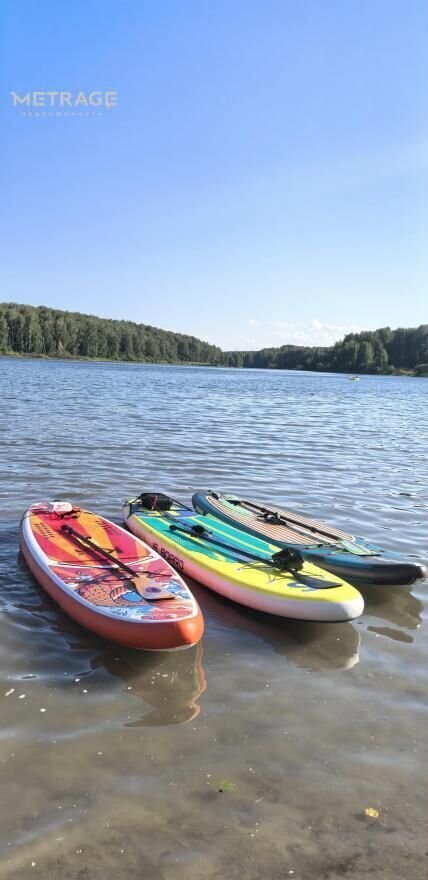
<point x="308" y="645"/>
<point x="396" y="605"/>
<point x="112" y="760"/>
<point x="396" y="634"/>
<point x="169" y="683"/>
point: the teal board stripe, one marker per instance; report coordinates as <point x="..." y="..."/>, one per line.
<point x="220" y="530"/>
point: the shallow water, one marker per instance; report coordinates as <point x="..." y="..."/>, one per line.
<point x="256" y="754"/>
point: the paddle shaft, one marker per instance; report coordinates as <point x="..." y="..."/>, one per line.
<point x="304" y="579"/>
<point x="206" y="536"/>
<point x="200" y="532"/>
<point x="151" y="594"/>
<point x="286" y="520"/>
<point x="71" y="533"/>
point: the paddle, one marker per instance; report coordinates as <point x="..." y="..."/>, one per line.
<point x="288" y="559"/>
<point x="195" y="531"/>
<point x="279" y="519"/>
<point x="150" y="593"/>
<point x="275" y="518"/>
<point x="198" y="531"/>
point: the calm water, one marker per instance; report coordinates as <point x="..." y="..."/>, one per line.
<point x="113" y="761"/>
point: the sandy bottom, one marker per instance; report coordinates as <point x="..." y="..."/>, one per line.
<point x="253" y="755"/>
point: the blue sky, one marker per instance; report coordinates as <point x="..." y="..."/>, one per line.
<point x="262" y="179"/>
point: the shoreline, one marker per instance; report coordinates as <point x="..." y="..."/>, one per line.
<point x="90" y="360"/>
<point x="153" y="363"/>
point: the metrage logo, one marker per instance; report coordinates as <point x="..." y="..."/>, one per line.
<point x="53" y="103"/>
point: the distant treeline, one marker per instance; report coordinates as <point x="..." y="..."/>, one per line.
<point x="43" y="331"/>
<point x="53" y="333"/>
<point x="381" y="351"/>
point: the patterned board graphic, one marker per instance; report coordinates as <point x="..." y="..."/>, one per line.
<point x="96" y="580"/>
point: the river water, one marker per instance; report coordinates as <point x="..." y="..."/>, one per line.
<point x="256" y="754"/>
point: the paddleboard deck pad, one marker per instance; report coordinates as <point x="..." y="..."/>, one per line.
<point x="155" y="610"/>
<point x="326" y="546"/>
<point x="240" y="567"/>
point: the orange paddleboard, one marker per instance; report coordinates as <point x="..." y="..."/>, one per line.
<point x="108" y="580"/>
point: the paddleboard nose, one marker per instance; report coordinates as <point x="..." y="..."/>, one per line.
<point x="351" y="609"/>
<point x="186" y="633"/>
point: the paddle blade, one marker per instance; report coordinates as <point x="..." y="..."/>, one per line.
<point x="151" y="593"/>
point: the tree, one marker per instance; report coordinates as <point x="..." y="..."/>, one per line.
<point x="16" y="331"/>
<point x="89" y="339"/>
<point x="347" y="355"/>
<point x="149" y="348"/>
<point x="48" y="338"/>
<point x="4" y="333"/>
<point x="112" y="344"/>
<point x="365" y="355"/>
<point x="183" y="350"/>
<point x="380" y="356"/>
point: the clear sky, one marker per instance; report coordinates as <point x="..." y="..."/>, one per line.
<point x="262" y="179"/>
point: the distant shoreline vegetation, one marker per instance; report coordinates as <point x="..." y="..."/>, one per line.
<point x="44" y="332"/>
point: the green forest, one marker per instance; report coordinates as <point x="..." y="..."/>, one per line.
<point x="46" y="332"/>
<point x="385" y="351"/>
<point x="42" y="331"/>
